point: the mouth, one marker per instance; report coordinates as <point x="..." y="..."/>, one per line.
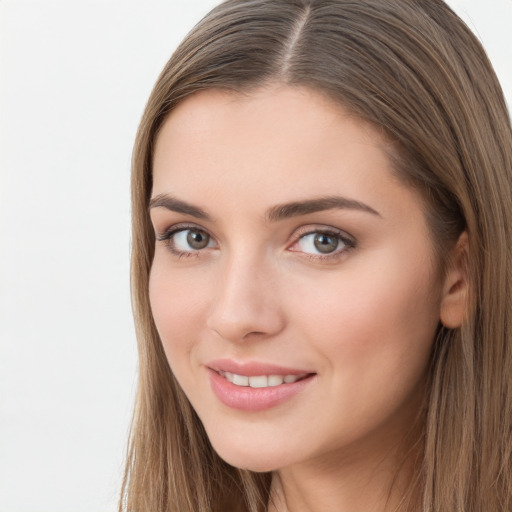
<point x="255" y="387"/>
<point x="261" y="381"/>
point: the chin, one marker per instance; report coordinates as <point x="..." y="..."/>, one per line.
<point x="255" y="464"/>
<point x="249" y="456"/>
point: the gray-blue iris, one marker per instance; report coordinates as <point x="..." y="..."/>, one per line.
<point x="197" y="239"/>
<point x="325" y="243"/>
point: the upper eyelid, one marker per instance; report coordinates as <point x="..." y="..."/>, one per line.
<point x="310" y="229"/>
<point x="181" y="226"/>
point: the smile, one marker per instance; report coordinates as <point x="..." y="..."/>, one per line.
<point x="260" y="381"/>
<point x="263" y="389"/>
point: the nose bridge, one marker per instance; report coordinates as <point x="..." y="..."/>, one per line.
<point x="246" y="300"/>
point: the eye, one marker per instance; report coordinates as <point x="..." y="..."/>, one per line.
<point x="191" y="239"/>
<point x="183" y="241"/>
<point x="322" y="243"/>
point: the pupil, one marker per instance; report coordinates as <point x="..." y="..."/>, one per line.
<point x="197" y="240"/>
<point x="326" y="243"/>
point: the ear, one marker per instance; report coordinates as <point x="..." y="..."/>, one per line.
<point x="455" y="286"/>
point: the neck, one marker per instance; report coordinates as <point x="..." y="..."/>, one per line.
<point x="357" y="483"/>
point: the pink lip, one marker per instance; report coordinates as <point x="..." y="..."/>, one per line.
<point x="252" y="368"/>
<point x="246" y="398"/>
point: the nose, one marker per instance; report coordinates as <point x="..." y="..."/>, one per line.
<point x="246" y="305"/>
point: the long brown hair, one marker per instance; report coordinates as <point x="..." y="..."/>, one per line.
<point x="413" y="69"/>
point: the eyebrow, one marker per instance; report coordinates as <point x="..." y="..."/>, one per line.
<point x="298" y="208"/>
<point x="175" y="205"/>
<point x="273" y="214"/>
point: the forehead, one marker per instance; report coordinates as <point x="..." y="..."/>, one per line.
<point x="283" y="111"/>
<point x="292" y="137"/>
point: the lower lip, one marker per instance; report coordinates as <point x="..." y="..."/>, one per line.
<point x="246" y="398"/>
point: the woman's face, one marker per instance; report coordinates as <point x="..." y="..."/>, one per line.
<point x="293" y="283"/>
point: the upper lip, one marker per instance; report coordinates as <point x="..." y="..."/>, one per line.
<point x="253" y="368"/>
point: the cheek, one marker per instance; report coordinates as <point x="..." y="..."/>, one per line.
<point x="178" y="304"/>
<point x="372" y="324"/>
<point x="372" y="333"/>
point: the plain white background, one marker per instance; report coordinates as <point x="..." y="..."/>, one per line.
<point x="74" y="78"/>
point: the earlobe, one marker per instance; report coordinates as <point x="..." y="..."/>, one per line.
<point x="455" y="288"/>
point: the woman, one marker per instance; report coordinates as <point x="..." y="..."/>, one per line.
<point x="321" y="265"/>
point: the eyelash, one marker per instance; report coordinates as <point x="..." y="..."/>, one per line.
<point x="342" y="238"/>
<point x="167" y="238"/>
<point x="348" y="242"/>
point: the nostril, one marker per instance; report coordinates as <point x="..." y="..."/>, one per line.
<point x="254" y="334"/>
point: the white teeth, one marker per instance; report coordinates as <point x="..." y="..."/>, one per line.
<point x="259" y="381"/>
<point x="240" y="380"/>
<point x="275" y="380"/>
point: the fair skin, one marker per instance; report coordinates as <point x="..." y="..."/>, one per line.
<point x="343" y="294"/>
